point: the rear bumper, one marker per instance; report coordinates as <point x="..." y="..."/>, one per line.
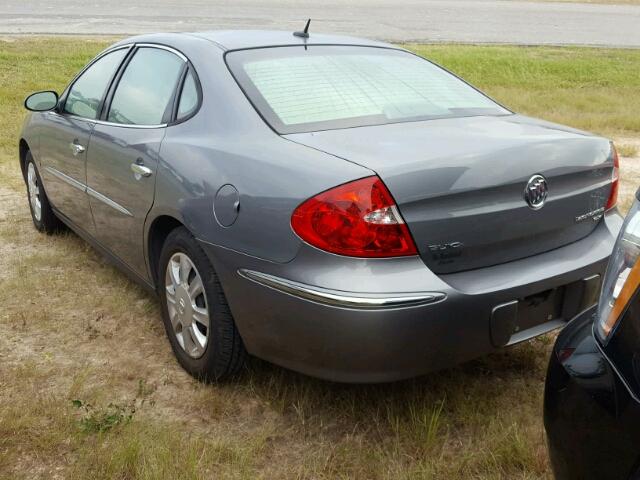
<point x="411" y="322"/>
<point x="590" y="417"/>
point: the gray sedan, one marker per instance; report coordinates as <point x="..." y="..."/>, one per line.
<point x="337" y="206"/>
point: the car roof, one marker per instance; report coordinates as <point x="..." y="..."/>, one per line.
<point x="244" y="39"/>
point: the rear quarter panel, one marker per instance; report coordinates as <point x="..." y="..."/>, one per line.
<point x="226" y="142"/>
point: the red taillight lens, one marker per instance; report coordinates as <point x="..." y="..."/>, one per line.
<point x="358" y="219"/>
<point x="564" y="354"/>
<point x="615" y="180"/>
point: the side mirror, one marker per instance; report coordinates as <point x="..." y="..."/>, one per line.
<point x="41" y="101"/>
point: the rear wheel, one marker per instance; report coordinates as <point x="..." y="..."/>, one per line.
<point x="195" y="312"/>
<point x="41" y="212"/>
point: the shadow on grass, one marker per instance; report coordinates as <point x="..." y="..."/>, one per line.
<point x="471" y="393"/>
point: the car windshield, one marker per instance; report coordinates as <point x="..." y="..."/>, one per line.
<point x="325" y="87"/>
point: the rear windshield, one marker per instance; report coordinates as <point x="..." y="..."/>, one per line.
<point x="326" y="87"/>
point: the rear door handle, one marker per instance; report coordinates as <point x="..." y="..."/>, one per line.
<point x="76" y="148"/>
<point x="141" y="170"/>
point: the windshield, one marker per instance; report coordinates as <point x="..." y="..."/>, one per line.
<point x="326" y="87"/>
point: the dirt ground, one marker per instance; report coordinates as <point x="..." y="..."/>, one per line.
<point x="629" y="172"/>
<point x="89" y="388"/>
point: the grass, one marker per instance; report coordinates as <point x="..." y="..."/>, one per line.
<point x="89" y="387"/>
<point x="628" y="150"/>
<point x="588" y="88"/>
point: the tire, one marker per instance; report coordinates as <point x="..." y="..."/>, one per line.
<point x="223" y="354"/>
<point x="41" y="212"/>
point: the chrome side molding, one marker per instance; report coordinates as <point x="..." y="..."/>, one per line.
<point x="66" y="178"/>
<point x="107" y="201"/>
<point x="90" y="191"/>
<point x="338" y="298"/>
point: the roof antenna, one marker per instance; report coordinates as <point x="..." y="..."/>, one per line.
<point x="305" y="32"/>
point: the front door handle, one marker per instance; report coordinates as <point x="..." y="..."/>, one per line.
<point x="141" y="170"/>
<point x="76" y="148"/>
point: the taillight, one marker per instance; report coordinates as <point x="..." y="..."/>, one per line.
<point x="358" y="219"/>
<point x="564" y="354"/>
<point x="615" y="180"/>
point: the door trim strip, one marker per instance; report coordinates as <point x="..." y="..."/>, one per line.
<point x="66" y="178"/>
<point x="106" y="200"/>
<point x="84" y="188"/>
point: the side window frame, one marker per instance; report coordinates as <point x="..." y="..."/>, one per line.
<point x="169" y="114"/>
<point x="176" y="101"/>
<point x="60" y="109"/>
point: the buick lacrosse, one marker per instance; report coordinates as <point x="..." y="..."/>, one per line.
<point x="337" y="206"/>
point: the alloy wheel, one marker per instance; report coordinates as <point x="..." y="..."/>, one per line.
<point x="187" y="305"/>
<point x="34" y="192"/>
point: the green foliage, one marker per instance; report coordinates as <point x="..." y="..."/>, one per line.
<point x="94" y="420"/>
<point x="593" y="89"/>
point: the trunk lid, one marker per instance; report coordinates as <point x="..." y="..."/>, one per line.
<point x="459" y="183"/>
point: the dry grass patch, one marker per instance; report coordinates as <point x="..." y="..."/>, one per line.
<point x="79" y="333"/>
<point x="89" y="387"/>
<point x="629" y="150"/>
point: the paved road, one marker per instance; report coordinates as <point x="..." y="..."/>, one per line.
<point x="507" y="21"/>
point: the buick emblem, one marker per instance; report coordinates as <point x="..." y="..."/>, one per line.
<point x="535" y="193"/>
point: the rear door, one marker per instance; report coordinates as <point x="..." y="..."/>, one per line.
<point x="65" y="139"/>
<point x="125" y="145"/>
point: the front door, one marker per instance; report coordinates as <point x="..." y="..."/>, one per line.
<point x="63" y="166"/>
<point x="123" y="157"/>
<point x="65" y="138"/>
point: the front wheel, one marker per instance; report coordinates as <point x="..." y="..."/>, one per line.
<point x="41" y="212"/>
<point x="196" y="316"/>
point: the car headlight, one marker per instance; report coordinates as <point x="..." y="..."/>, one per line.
<point x="623" y="275"/>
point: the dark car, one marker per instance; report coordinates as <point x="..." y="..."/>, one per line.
<point x="592" y="395"/>
<point x="334" y="205"/>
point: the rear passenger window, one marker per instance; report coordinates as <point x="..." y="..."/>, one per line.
<point x="86" y="93"/>
<point x="146" y="87"/>
<point x="189" y="96"/>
